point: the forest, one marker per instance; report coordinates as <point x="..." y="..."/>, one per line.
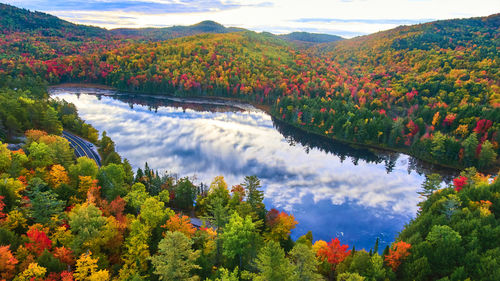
<point x="63" y="218"/>
<point x="430" y="90"/>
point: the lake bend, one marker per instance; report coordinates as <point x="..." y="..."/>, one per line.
<point x="332" y="189"/>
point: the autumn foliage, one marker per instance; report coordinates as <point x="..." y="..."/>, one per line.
<point x="280" y="224"/>
<point x="181" y="224"/>
<point x="459" y="183"/>
<point x="398" y="252"/>
<point x="39" y="241"/>
<point x="7" y="263"/>
<point x="332" y="252"/>
<point x="64" y="255"/>
<point x="338" y="90"/>
<point x="430" y="90"/>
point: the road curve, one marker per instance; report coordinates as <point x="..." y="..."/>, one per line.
<point x="82" y="147"/>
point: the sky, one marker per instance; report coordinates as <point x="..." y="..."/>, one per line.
<point x="347" y="18"/>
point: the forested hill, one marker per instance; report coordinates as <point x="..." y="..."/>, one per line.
<point x="161" y="34"/>
<point x="312" y="38"/>
<point x="166" y="33"/>
<point x="430" y="90"/>
<point x="444" y="34"/>
<point x="13" y="19"/>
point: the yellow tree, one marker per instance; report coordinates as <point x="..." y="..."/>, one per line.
<point x="84" y="185"/>
<point x="58" y="176"/>
<point x="34" y="135"/>
<point x="280" y="225"/>
<point x="136" y="252"/>
<point x="33" y="272"/>
<point x="86" y="269"/>
<point x="5" y="157"/>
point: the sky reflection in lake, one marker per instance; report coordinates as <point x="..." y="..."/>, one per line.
<point x="331" y="197"/>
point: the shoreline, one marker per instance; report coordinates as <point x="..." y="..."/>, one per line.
<point x="267" y="109"/>
<point x="82" y="85"/>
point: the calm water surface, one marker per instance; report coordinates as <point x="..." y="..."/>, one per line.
<point x="332" y="189"/>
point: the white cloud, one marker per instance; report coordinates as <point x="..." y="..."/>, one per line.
<point x="242" y="143"/>
<point x="325" y="195"/>
<point x="278" y="16"/>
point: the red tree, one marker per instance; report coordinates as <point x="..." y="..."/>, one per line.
<point x="398" y="252"/>
<point x="271" y="217"/>
<point x="2" y="205"/>
<point x="64" y="255"/>
<point x="482" y="125"/>
<point x="459" y="183"/>
<point x="334" y="253"/>
<point x="39" y="241"/>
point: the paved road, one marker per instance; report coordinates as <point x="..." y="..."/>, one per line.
<point x="82" y="147"/>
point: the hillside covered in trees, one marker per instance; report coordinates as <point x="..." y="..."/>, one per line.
<point x="430" y="89"/>
<point x="166" y="33"/>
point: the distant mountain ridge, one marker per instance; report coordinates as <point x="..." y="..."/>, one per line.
<point x="13" y="19"/>
<point x="166" y="33"/>
<point x="313" y="38"/>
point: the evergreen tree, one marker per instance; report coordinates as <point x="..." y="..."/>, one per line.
<point x="432" y="183"/>
<point x="175" y="259"/>
<point x="273" y="265"/>
<point x="44" y="203"/>
<point x="470" y="145"/>
<point x="487" y="155"/>
<point x="306" y="264"/>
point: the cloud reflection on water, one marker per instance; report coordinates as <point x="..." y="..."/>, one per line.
<point x="326" y="195"/>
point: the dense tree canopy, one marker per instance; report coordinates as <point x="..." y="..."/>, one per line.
<point x="429" y="89"/>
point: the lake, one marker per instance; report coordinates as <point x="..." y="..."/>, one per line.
<point x="333" y="189"/>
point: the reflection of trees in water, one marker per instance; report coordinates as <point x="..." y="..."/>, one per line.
<point x="344" y="151"/>
<point x="426" y="168"/>
<point x="154" y="103"/>
<point x="294" y="135"/>
<point x="310" y="141"/>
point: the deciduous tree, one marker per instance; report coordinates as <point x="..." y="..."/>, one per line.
<point x="398" y="252"/>
<point x="333" y="252"/>
<point x="5" y="157"/>
<point x="7" y="263"/>
<point x="280" y="226"/>
<point x="181" y="224"/>
<point x="239" y="239"/>
<point x="86" y="269"/>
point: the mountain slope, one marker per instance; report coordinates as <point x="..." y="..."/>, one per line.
<point x="436" y="100"/>
<point x="443" y="34"/>
<point x="13" y="19"/>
